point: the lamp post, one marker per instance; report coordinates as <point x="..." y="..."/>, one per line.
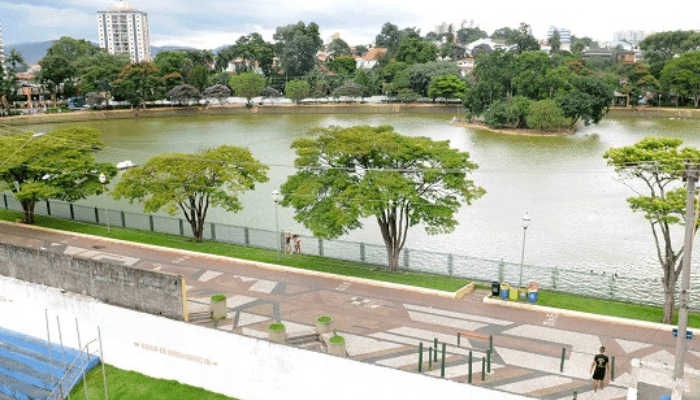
<point x="277" y="197"/>
<point x="34" y="136"/>
<point x="526" y="223"/>
<point x="103" y="180"/>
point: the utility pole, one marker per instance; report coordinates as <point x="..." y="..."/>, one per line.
<point x="690" y="176"/>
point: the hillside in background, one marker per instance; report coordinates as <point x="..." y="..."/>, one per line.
<point x="35" y="51"/>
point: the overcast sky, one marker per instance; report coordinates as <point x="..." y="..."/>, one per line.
<point x="207" y="24"/>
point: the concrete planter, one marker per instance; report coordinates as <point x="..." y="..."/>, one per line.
<point x="217" y="307"/>
<point x="277" y="333"/>
<point x="337" y="346"/>
<point x="324" y="324"/>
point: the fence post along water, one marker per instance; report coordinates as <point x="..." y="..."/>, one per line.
<point x="605" y="285"/>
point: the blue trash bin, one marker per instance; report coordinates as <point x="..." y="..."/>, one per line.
<point x="665" y="398"/>
<point x="532" y="296"/>
<point x="505" y="290"/>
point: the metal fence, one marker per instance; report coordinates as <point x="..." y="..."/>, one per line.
<point x="605" y="285"/>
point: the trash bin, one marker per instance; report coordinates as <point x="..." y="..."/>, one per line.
<point x="514" y="294"/>
<point x="665" y="398"/>
<point x="532" y="296"/>
<point x="495" y="288"/>
<point x="505" y="289"/>
<point x="523" y="293"/>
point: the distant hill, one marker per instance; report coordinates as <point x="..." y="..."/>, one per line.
<point x="33" y="52"/>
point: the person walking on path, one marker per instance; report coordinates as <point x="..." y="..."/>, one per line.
<point x="601" y="365"/>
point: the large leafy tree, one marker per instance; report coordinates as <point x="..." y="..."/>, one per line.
<point x="662" y="47"/>
<point x="345" y="174"/>
<point x="339" y="48"/>
<point x="99" y="71"/>
<point x="55" y="71"/>
<point x="297" y="90"/>
<point x="58" y="165"/>
<point x="15" y="62"/>
<point x="447" y="86"/>
<point x="589" y="100"/>
<point x="389" y="37"/>
<point x="523" y="39"/>
<point x="296" y="46"/>
<point x="250" y="47"/>
<point x="247" y="84"/>
<point x="658" y="163"/>
<point x="72" y="49"/>
<point x="140" y="82"/>
<point x="192" y="183"/>
<point x="413" y="50"/>
<point x="470" y="34"/>
<point x="682" y="75"/>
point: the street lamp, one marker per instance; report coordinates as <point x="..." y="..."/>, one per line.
<point x="277" y="197"/>
<point x="103" y="180"/>
<point x="34" y="136"/>
<point x="526" y="223"/>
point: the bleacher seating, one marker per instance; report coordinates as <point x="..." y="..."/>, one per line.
<point x="31" y="368"/>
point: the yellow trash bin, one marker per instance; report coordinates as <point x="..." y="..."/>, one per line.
<point x="514" y="293"/>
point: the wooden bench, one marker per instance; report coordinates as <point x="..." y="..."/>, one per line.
<point x="475" y="336"/>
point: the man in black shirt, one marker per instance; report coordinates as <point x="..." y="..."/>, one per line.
<point x="601" y="364"/>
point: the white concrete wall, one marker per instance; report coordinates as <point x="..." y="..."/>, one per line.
<point x="238" y="366"/>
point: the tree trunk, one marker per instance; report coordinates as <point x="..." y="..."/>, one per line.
<point x="28" y="208"/>
<point x="669" y="304"/>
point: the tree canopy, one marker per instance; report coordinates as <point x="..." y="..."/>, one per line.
<point x="658" y="164"/>
<point x="296" y="46"/>
<point x="247" y="84"/>
<point x="398" y="180"/>
<point x="58" y="165"/>
<point x="191" y="183"/>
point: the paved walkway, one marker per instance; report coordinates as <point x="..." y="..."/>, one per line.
<point x="384" y="325"/>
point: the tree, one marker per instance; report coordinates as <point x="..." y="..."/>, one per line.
<point x="218" y="91"/>
<point x="447" y="86"/>
<point x="297" y="90"/>
<point x="511" y="112"/>
<point x="192" y="183"/>
<point x="545" y="115"/>
<point x="8" y="88"/>
<point x="360" y="50"/>
<point x="589" y="100"/>
<point x="682" y="75"/>
<point x="523" y="39"/>
<point x="339" y="48"/>
<point x="401" y="181"/>
<point x="139" y="82"/>
<point x="389" y="37"/>
<point x="662" y="47"/>
<point x="296" y="46"/>
<point x="659" y="164"/>
<point x="413" y="50"/>
<point x="199" y="77"/>
<point x="252" y="48"/>
<point x="59" y="165"/>
<point x="554" y="42"/>
<point x="184" y="94"/>
<point x="72" y="49"/>
<point x="99" y="71"/>
<point x="344" y="65"/>
<point x="248" y="85"/>
<point x="468" y="35"/>
<point x="169" y="62"/>
<point x="15" y="62"/>
<point x="55" y="70"/>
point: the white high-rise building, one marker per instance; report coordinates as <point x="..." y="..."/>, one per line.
<point x="124" y="30"/>
<point x="2" y="51"/>
<point x="564" y="34"/>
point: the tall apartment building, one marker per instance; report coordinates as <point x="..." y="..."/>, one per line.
<point x="564" y="34"/>
<point x="2" y="51"/>
<point x="631" y="37"/>
<point x="124" y="30"/>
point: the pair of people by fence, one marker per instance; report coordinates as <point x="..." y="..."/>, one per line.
<point x="290" y="240"/>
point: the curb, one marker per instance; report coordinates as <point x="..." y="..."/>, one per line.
<point x="271" y="267"/>
<point x="582" y="315"/>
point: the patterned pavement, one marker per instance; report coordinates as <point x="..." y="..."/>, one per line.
<point x="384" y="326"/>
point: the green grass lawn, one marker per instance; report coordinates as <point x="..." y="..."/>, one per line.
<point x="132" y="385"/>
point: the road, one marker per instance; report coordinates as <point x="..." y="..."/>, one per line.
<point x="384" y="324"/>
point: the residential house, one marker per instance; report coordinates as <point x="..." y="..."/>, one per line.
<point x="369" y="60"/>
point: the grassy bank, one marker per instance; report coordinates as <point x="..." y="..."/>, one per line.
<point x="347" y="268"/>
<point x="132" y="385"/>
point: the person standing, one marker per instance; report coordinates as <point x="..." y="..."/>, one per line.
<point x="297" y="244"/>
<point x="601" y="365"/>
<point x="288" y="243"/>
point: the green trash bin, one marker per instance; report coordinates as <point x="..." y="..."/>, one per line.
<point x="514" y="293"/>
<point x="523" y="293"/>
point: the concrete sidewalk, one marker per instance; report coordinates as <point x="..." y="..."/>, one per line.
<point x="384" y="323"/>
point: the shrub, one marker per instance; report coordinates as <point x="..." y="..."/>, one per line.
<point x="276" y="327"/>
<point x="546" y="115"/>
<point x="218" y="297"/>
<point x="324" y="319"/>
